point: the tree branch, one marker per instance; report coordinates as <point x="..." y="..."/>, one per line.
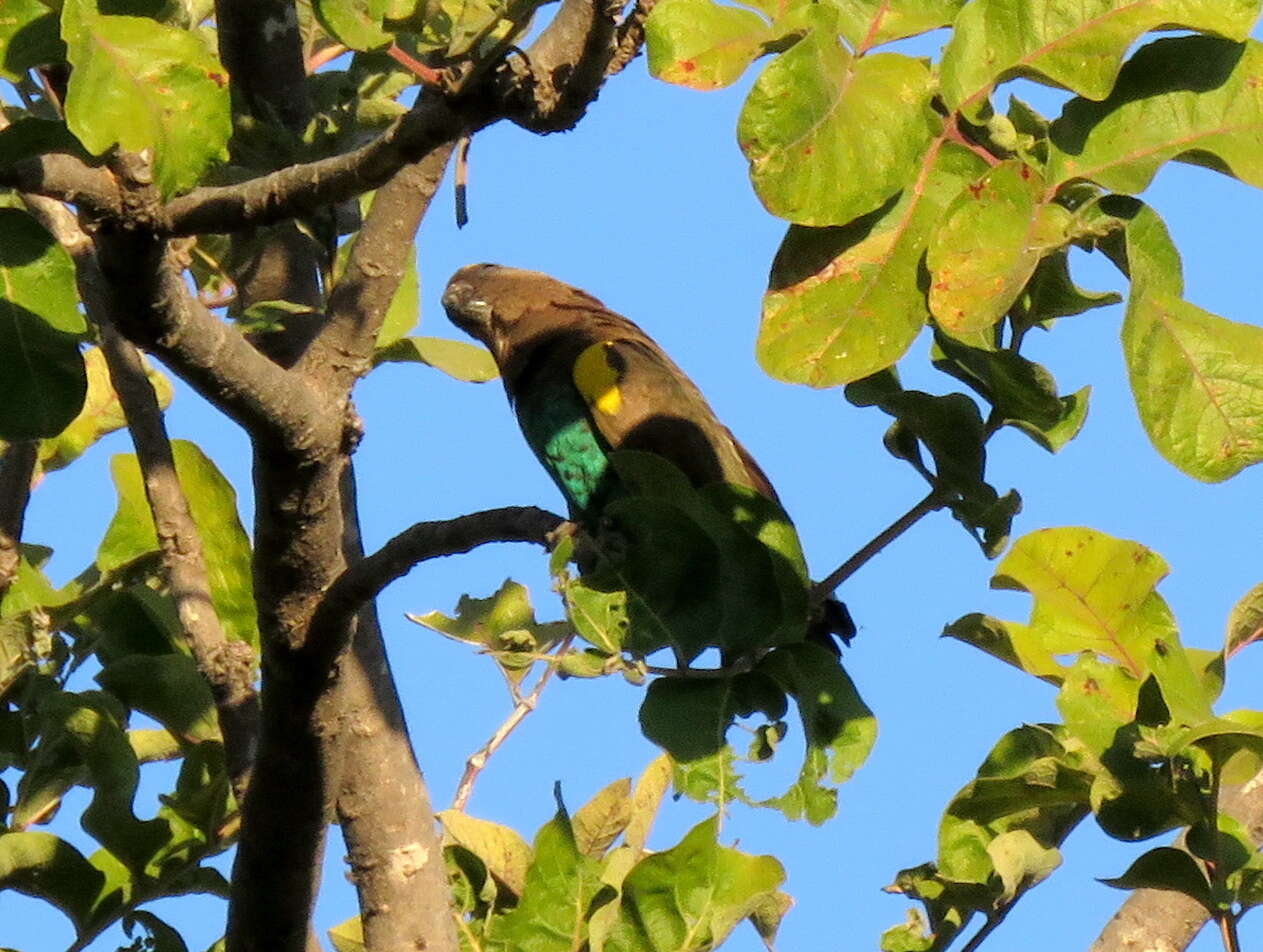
<point x="17" y="467"/>
<point x="419" y="543"/>
<point x="298" y="189"/>
<point x="888" y="535"/>
<point x="154" y="309"/>
<point x="477" y="761"/>
<point x="1163" y="919"/>
<point x="227" y="666"/>
<point x="395" y="855"/>
<point x="630" y="37"/>
<point x="377" y="261"/>
<point x="66" y="178"/>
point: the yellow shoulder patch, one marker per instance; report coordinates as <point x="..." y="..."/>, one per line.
<point x="597" y="378"/>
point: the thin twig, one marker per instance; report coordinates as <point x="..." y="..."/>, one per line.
<point x="478" y="760"/>
<point x="993" y="922"/>
<point x="1228" y="929"/>
<point x="934" y="500"/>
<point x="17" y="466"/>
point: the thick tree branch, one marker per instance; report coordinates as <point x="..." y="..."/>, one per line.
<point x="568" y="63"/>
<point x="377" y="261"/>
<point x="227" y="666"/>
<point x="17" y="467"/>
<point x="299" y="189"/>
<point x="417" y="544"/>
<point x="64" y="177"/>
<point x="155" y="310"/>
<point x="1161" y="919"/>
<point x="395" y="855"/>
<point x="564" y="68"/>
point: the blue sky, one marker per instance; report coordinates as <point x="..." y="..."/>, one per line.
<point x="647" y="205"/>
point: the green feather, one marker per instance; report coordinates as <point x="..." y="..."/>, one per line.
<point x="555" y="421"/>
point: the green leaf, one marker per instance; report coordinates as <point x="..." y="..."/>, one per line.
<point x="213" y="504"/>
<point x="42" y="379"/>
<point x="702" y="44"/>
<point x="1198" y="383"/>
<point x="49" y="868"/>
<point x="1194" y="98"/>
<point x="838" y="727"/>
<point x="1078" y="46"/>
<point x="1096" y="699"/>
<point x="1021" y="861"/>
<point x="561" y="886"/>
<point x="846" y="302"/>
<point x="830" y="137"/>
<point x="354" y="23"/>
<point x="86" y="728"/>
<point x="1167" y="868"/>
<point x="988" y="244"/>
<point x="168" y="688"/>
<point x="139" y="84"/>
<point x="456" y="358"/>
<point x="29" y="137"/>
<point x="1023" y="393"/>
<point x="651" y="787"/>
<point x="689" y="717"/>
<point x="600" y="821"/>
<point x="28" y="38"/>
<point x="1008" y="641"/>
<point x="505" y="854"/>
<point x="348" y="936"/>
<point x="1245" y="623"/>
<point x="1092" y="592"/>
<point x="159" y="936"/>
<point x="870" y="23"/>
<point x="690" y="898"/>
<point x="1051" y="292"/>
<point x="503" y="624"/>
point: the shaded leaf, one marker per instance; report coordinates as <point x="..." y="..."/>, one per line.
<point x="49" y="868"/>
<point x="42" y="379"/>
<point x="28" y="38"/>
<point x="1167" y="868"/>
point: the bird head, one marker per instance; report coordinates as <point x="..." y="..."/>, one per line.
<point x="504" y="307"/>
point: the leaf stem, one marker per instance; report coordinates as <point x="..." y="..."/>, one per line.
<point x="934" y="500"/>
<point x="1228" y="930"/>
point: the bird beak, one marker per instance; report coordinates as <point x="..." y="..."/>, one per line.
<point x="466" y="310"/>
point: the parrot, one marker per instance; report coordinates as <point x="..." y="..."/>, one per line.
<point x="585" y="382"/>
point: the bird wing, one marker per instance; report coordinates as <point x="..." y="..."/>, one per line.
<point x="638" y="399"/>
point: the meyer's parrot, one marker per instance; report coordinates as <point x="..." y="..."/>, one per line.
<point x="586" y="382"/>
